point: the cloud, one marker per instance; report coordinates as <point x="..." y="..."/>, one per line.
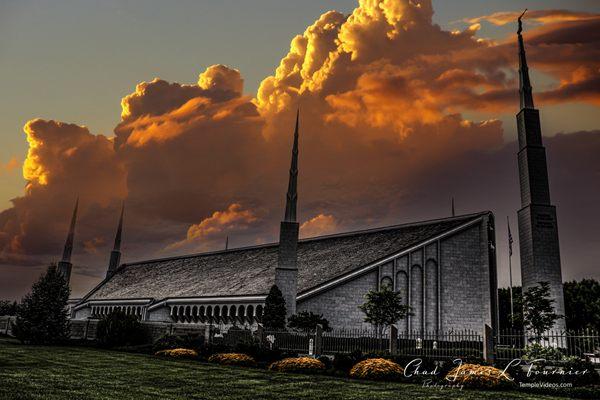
<point x="319" y="225"/>
<point x="234" y="219"/>
<point x="387" y="134"/>
<point x="10" y="166"/>
<point x="537" y="16"/>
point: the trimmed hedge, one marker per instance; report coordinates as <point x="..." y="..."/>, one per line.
<point x="298" y="364"/>
<point x="377" y="369"/>
<point x="238" y="359"/>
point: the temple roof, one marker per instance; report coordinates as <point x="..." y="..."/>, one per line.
<point x="251" y="270"/>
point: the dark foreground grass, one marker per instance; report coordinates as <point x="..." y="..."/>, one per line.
<point x="39" y="372"/>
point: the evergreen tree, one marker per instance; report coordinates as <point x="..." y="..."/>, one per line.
<point x="384" y="308"/>
<point x="538" y="311"/>
<point x="42" y="316"/>
<point x="274" y="311"/>
<point x="308" y="321"/>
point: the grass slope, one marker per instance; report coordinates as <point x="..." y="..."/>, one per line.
<point x="38" y="372"/>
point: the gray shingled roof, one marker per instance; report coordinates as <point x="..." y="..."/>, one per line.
<point x="250" y="271"/>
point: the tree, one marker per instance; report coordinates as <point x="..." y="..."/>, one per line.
<point x="274" y="311"/>
<point x="120" y="329"/>
<point x="8" y="308"/>
<point x="384" y="308"/>
<point x="538" y="311"/>
<point x="308" y="321"/>
<point x="42" y="316"/>
<point x="582" y="304"/>
<point x="504" y="308"/>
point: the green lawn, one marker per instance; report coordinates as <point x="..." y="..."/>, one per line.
<point x="38" y="372"/>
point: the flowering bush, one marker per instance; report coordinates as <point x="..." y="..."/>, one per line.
<point x="177" y="353"/>
<point x="299" y="364"/>
<point x="232" y="359"/>
<point x="478" y="376"/>
<point x="377" y="369"/>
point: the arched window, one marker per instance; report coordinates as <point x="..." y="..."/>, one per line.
<point x="241" y="311"/>
<point x="232" y="311"/>
<point x="201" y="311"/>
<point x="259" y="311"/>
<point x="386" y="281"/>
<point x="250" y="311"/>
<point x="209" y="311"/>
<point x="217" y="311"/>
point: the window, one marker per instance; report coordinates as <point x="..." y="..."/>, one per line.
<point x="386" y="281"/>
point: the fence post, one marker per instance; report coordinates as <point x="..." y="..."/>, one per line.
<point x="393" y="347"/>
<point x="488" y="344"/>
<point x="319" y="340"/>
<point x="85" y="330"/>
<point x="207" y="334"/>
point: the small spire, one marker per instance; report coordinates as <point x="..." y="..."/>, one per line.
<point x="117" y="246"/>
<point x="525" y="90"/>
<point x="453" y="213"/>
<point x="68" y="250"/>
<point x="227" y="243"/>
<point x="292" y="193"/>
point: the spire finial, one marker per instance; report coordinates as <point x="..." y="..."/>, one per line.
<point x="292" y="193"/>
<point x="525" y="90"/>
<point x="68" y="250"/>
<point x="117" y="246"/>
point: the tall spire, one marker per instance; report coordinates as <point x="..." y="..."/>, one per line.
<point x="68" y="250"/>
<point x="117" y="246"/>
<point x="115" y="254"/>
<point x="525" y="90"/>
<point x="292" y="193"/>
<point x="538" y="226"/>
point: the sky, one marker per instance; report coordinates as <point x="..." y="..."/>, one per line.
<point x="404" y="106"/>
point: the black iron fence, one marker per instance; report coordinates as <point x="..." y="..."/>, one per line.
<point x="348" y="340"/>
<point x="511" y="344"/>
<point x="441" y="345"/>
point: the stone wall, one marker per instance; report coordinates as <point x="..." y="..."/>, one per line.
<point x="452" y="291"/>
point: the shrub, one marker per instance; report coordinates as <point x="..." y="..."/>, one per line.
<point x="536" y="351"/>
<point x="120" y="329"/>
<point x="188" y="341"/>
<point x="42" y="316"/>
<point x="590" y="377"/>
<point x="258" y="352"/>
<point x="298" y="364"/>
<point x="178" y="353"/>
<point x="239" y="359"/>
<point x="344" y="362"/>
<point x="478" y="376"/>
<point x="377" y="369"/>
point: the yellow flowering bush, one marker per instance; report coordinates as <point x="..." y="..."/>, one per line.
<point x="299" y="364"/>
<point x="232" y="359"/>
<point x="478" y="376"/>
<point x="377" y="369"/>
<point x="177" y="353"/>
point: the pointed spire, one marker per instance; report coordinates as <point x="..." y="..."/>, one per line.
<point x="453" y="213"/>
<point x="292" y="193"/>
<point x="227" y="243"/>
<point x="71" y="236"/>
<point x="525" y="90"/>
<point x="115" y="254"/>
<point x="117" y="246"/>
